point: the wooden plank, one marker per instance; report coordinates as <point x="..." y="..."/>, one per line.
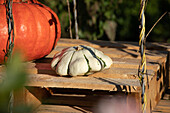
<point x="160" y="111"/>
<point x="164" y="104"/>
<point x="117" y="63"/>
<point x="134" y="63"/>
<point x="121" y="68"/>
<point x="113" y="44"/>
<point x="80" y="92"/>
<point x="168" y="68"/>
<point x="118" y="70"/>
<point x="88" y="101"/>
<point x="121" y="73"/>
<point x="122" y="76"/>
<point x="24" y="97"/>
<point x="119" y="45"/>
<point x="163" y="109"/>
<point x="119" y="53"/>
<point x="166" y="97"/>
<point x="92" y="104"/>
<point x="127" y="73"/>
<point x="109" y="84"/>
<point x="155" y="88"/>
<point x="167" y="94"/>
<point x="92" y="101"/>
<point x="62" y="109"/>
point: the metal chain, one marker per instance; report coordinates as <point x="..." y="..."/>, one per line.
<point x="142" y="66"/>
<point x="10" y="21"/>
<point x="10" y="45"/>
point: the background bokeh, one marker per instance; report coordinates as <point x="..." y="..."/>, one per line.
<point x="113" y="19"/>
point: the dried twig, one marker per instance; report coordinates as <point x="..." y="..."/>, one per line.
<point x="75" y="17"/>
<point x="68" y="4"/>
<point x="155" y="24"/>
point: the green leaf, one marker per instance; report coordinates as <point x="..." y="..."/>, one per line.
<point x="107" y="14"/>
<point x="14" y="78"/>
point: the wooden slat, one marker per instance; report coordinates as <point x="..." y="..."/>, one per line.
<point x="118" y="45"/>
<point x="117" y="71"/>
<point x="121" y="73"/>
<point x="91" y="103"/>
<point x="156" y="87"/>
<point x="164" y="104"/>
<point x="117" y="63"/>
<point x="163" y="109"/>
<point x="113" y="44"/>
<point x="113" y="72"/>
<point x="122" y="68"/>
<point x="121" y="45"/>
<point x="119" y="53"/>
<point x="62" y="109"/>
<point x="42" y="80"/>
<point x="121" y="77"/>
<point x="87" y="101"/>
<point x="167" y="94"/>
<point x="25" y="98"/>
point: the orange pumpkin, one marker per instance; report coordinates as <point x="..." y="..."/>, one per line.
<point x="36" y="28"/>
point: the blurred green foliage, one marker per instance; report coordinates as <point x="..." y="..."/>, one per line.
<point x="113" y="19"/>
<point x="12" y="79"/>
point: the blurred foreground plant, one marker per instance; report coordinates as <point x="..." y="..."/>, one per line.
<point x="12" y="79"/>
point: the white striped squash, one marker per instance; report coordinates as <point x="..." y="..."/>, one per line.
<point x="80" y="60"/>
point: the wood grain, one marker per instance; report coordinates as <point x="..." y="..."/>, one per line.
<point x="45" y="87"/>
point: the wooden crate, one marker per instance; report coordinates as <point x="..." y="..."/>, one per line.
<point x="48" y="92"/>
<point x="164" y="104"/>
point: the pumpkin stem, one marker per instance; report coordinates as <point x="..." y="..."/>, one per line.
<point x="77" y="48"/>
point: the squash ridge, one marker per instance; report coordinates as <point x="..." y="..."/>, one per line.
<point x="89" y="68"/>
<point x="95" y="56"/>
<point x="68" y="70"/>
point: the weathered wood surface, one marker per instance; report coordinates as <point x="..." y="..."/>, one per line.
<point x="121" y="77"/>
<point x="113" y="44"/>
<point x="61" y="109"/>
<point x="164" y="104"/>
<point x="93" y="83"/>
<point x="24" y="97"/>
<point x="120" y="45"/>
<point x="89" y="103"/>
<point x="123" y="72"/>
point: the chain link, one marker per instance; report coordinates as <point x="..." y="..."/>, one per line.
<point x="10" y="44"/>
<point x="10" y="22"/>
<point x="142" y="67"/>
